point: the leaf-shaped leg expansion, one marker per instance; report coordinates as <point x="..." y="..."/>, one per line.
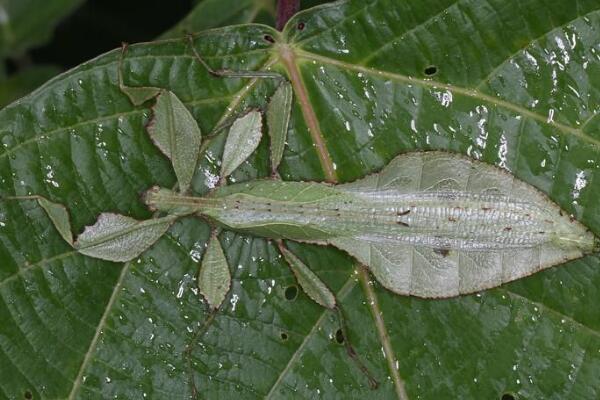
<point x="172" y="128"/>
<point x="278" y="119"/>
<point x="176" y="133"/>
<point x="58" y="214"/>
<point x="214" y="281"/>
<point x="112" y="237"/>
<point x="119" y="238"/>
<point x="244" y="137"/>
<point x="138" y="95"/>
<point x="316" y="289"/>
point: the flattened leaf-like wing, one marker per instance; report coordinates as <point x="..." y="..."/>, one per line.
<point x="426" y="271"/>
<point x="176" y="133"/>
<point x="433" y="273"/>
<point x="116" y="237"/>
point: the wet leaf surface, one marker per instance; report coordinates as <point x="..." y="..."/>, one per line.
<point x="512" y="83"/>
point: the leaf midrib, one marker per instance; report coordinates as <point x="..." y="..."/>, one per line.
<point x="467" y="92"/>
<point x="342" y="293"/>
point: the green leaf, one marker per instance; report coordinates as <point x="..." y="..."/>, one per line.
<point x="75" y="326"/>
<point x="278" y="119"/>
<point x="28" y="23"/>
<point x="176" y="133"/>
<point x="214" y="279"/>
<point x="216" y="13"/>
<point x="309" y="281"/>
<point x="22" y="83"/>
<point x="243" y="138"/>
<point x="116" y="237"/>
<point x="60" y="218"/>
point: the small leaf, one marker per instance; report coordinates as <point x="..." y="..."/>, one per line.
<point x="312" y="285"/>
<point x="244" y="137"/>
<point x="116" y="237"/>
<point x="60" y="218"/>
<point x="214" y="278"/>
<point x="140" y="95"/>
<point x="176" y="133"/>
<point x="278" y="119"/>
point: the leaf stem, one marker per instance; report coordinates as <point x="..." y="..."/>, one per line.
<point x="363" y="277"/>
<point x="285" y="10"/>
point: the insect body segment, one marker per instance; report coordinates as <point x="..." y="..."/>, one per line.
<point x="449" y="220"/>
<point x="455" y="227"/>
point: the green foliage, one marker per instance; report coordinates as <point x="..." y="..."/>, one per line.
<point x="18" y="85"/>
<point x="510" y="82"/>
<point x="210" y="14"/>
<point x="27" y="23"/>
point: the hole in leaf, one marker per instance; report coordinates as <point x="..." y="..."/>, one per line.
<point x="430" y="70"/>
<point x="339" y="336"/>
<point x="508" y="396"/>
<point x="284" y="336"/>
<point x="269" y="38"/>
<point x="301" y="26"/>
<point x="28" y="395"/>
<point x="291" y="292"/>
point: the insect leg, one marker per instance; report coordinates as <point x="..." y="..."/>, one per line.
<point x="137" y="95"/>
<point x="189" y="348"/>
<point x="227" y="73"/>
<point x="373" y="383"/>
<point x="312" y="285"/>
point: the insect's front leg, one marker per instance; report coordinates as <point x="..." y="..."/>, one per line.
<point x="138" y="95"/>
<point x="278" y="110"/>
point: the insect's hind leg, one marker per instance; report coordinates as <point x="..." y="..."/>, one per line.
<point x="227" y="73"/>
<point x="345" y="339"/>
<point x="138" y="95"/>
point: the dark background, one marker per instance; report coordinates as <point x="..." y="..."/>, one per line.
<point x="101" y="25"/>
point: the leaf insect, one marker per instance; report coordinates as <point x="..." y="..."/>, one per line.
<point x="430" y="224"/>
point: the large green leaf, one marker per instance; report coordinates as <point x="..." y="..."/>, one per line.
<point x="216" y="13"/>
<point x="208" y="14"/>
<point x="27" y="23"/>
<point x="24" y="82"/>
<point x="514" y="83"/>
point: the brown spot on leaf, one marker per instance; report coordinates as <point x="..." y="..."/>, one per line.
<point x="442" y="252"/>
